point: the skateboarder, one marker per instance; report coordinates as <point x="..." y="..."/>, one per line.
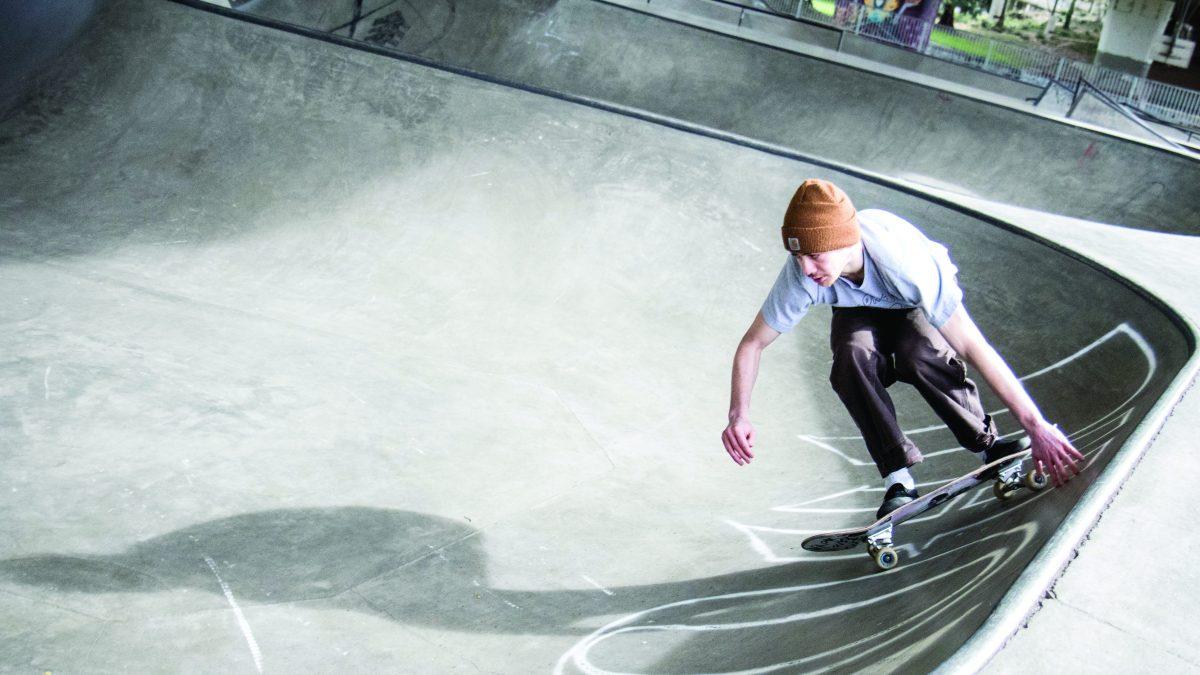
<point x="898" y="314"/>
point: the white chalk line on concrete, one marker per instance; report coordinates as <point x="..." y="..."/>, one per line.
<point x="991" y="560"/>
<point x="597" y="585"/>
<point x="751" y="245"/>
<point x="1119" y="414"/>
<point x="1092" y="450"/>
<point x="1099" y="429"/>
<point x="1124" y="328"/>
<point x="1105" y="427"/>
<point x="241" y="618"/>
<point x="1101" y="442"/>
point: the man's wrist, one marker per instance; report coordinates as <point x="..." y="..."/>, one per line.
<point x="1032" y="422"/>
<point x="735" y="415"/>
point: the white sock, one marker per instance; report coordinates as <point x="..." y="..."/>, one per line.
<point x="901" y="476"/>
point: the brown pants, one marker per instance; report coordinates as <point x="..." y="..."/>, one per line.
<point x="872" y="348"/>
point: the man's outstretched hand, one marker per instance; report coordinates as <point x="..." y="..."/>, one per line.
<point x="1053" y="454"/>
<point x="739" y="440"/>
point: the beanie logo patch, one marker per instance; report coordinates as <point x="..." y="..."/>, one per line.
<point x="793" y="244"/>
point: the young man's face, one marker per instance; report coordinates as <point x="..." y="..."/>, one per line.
<point x="825" y="268"/>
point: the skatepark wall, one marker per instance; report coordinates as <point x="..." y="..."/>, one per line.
<point x="883" y="124"/>
<point x="817" y="40"/>
<point x="32" y="35"/>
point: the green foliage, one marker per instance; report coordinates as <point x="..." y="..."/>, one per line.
<point x="1027" y="25"/>
<point x="968" y="7"/>
<point x="825" y="7"/>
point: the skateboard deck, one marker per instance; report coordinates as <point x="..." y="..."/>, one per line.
<point x="1011" y="473"/>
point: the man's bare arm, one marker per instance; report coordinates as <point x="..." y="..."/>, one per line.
<point x="739" y="435"/>
<point x="1051" y="448"/>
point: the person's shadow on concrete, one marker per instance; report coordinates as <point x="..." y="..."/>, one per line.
<point x="427" y="570"/>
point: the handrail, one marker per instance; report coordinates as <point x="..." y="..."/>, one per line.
<point x="1088" y="87"/>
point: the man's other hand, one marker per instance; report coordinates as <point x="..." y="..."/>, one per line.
<point x="1053" y="453"/>
<point x="739" y="440"/>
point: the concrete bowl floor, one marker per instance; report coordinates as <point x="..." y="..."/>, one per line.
<point x="315" y="359"/>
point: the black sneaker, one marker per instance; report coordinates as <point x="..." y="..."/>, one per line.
<point x="1001" y="449"/>
<point x="895" y="497"/>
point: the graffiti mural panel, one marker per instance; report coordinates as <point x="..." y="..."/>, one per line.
<point x="902" y="22"/>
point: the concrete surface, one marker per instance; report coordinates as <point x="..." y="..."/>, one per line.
<point x="317" y="359"/>
<point x="1127" y="603"/>
<point x="854" y="116"/>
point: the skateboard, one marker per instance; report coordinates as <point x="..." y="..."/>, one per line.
<point x="1011" y="473"/>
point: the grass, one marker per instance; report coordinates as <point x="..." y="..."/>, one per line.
<point x="972" y="48"/>
<point x="825" y="7"/>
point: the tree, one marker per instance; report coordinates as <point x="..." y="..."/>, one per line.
<point x="1000" y="19"/>
<point x="966" y="6"/>
<point x="947" y="17"/>
<point x="1048" y="29"/>
<point x="1067" y="21"/>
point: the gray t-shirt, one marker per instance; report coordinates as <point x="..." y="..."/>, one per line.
<point x="902" y="269"/>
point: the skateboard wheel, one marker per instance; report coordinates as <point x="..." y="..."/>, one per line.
<point x="1036" y="480"/>
<point x="886" y="558"/>
<point x="1002" y="491"/>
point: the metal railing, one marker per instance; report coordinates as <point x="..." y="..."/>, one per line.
<point x="1062" y="98"/>
<point x="1025" y="64"/>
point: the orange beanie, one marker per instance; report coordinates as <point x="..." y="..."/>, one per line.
<point x="819" y="218"/>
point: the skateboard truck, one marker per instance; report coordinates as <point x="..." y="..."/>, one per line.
<point x="879" y="545"/>
<point x="1010" y="479"/>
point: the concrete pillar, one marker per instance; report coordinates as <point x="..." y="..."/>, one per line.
<point x="1131" y="34"/>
